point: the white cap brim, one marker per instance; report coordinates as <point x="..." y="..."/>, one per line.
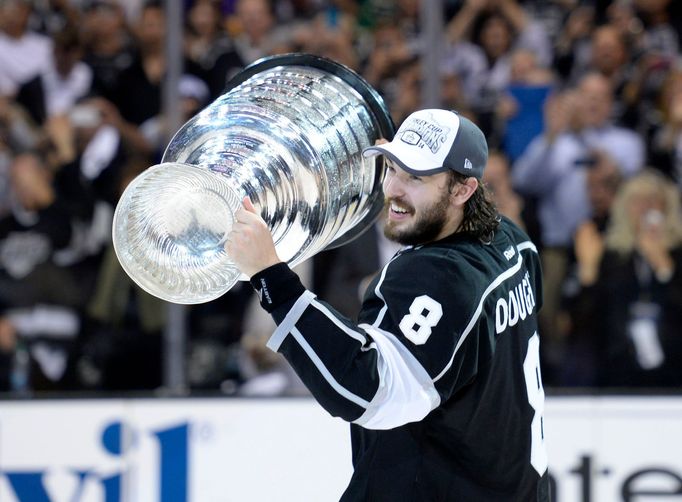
<point x="406" y="158"/>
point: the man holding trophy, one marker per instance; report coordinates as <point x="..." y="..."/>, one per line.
<point x="440" y="375"/>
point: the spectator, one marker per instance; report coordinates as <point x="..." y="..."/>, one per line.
<point x="330" y="34"/>
<point x="453" y="91"/>
<point x="520" y="108"/>
<point x="256" y="32"/>
<point x="108" y="45"/>
<point x="579" y="364"/>
<point x="654" y="47"/>
<point x="87" y="164"/>
<point x="632" y="288"/>
<point x="23" y="56"/>
<point x="208" y="45"/>
<point x="390" y="53"/>
<point x="498" y="180"/>
<point x="467" y="63"/>
<point x="603" y="178"/>
<point x="572" y="47"/>
<point x="503" y="25"/>
<point x="18" y="132"/>
<point x="659" y="35"/>
<point x="52" y="16"/>
<point x="407" y="94"/>
<point x="553" y="169"/>
<point x="96" y="151"/>
<point x="577" y="123"/>
<point x="665" y="148"/>
<point x="498" y="28"/>
<point x="611" y="56"/>
<point x="38" y="299"/>
<point x="122" y="345"/>
<point x="137" y="95"/>
<point x="151" y="137"/>
<point x="67" y="79"/>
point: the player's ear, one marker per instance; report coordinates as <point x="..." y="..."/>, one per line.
<point x="463" y="191"/>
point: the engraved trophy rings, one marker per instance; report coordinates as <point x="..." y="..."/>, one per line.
<point x="289" y="133"/>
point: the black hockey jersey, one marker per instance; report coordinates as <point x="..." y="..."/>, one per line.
<point x="440" y="377"/>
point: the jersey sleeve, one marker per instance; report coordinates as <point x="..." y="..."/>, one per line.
<point x="422" y="335"/>
<point x="378" y="373"/>
<point x="352" y="370"/>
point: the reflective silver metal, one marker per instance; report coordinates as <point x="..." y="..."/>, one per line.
<point x="290" y="135"/>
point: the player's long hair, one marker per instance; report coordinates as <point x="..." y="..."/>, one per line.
<point x="481" y="217"/>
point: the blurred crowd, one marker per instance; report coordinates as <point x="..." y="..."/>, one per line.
<point x="581" y="102"/>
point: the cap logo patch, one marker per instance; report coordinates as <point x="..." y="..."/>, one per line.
<point x="467" y="164"/>
<point x="424" y="133"/>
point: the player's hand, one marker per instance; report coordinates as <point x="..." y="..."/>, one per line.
<point x="250" y="244"/>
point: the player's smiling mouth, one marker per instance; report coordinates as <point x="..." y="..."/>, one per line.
<point x="398" y="210"/>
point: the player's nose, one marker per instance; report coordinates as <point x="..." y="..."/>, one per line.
<point x="393" y="187"/>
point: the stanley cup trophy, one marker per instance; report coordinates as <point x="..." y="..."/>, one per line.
<point x="289" y="134"/>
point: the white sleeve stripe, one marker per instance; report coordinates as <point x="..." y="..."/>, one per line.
<point x="527" y="245"/>
<point x="405" y="393"/>
<point x="325" y="372"/>
<point x="350" y="332"/>
<point x="290" y="320"/>
<point x="499" y="280"/>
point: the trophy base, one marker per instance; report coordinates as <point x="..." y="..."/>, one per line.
<point x="170" y="228"/>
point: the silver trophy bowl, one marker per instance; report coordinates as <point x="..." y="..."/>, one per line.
<point x="289" y="133"/>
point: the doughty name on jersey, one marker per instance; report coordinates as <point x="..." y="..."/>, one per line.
<point x="516" y="306"/>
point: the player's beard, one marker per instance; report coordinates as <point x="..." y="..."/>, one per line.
<point x="426" y="227"/>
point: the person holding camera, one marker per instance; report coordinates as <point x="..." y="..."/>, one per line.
<point x="553" y="172"/>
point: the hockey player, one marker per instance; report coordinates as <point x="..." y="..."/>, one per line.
<point x="440" y="375"/>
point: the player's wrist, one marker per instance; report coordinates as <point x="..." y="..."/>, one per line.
<point x="275" y="285"/>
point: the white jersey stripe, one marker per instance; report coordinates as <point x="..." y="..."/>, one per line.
<point x="350" y="332"/>
<point x="288" y="326"/>
<point x="527" y="245"/>
<point x="406" y="393"/>
<point x="377" y="291"/>
<point x="325" y="372"/>
<point x="499" y="280"/>
<point x="290" y="320"/>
